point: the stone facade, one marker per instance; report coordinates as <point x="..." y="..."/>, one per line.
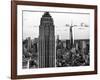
<point x="46" y="42"/>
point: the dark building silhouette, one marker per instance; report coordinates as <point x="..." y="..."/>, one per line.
<point x="46" y="42"/>
<point x="71" y="36"/>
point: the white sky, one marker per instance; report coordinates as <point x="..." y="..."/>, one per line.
<point x="31" y="22"/>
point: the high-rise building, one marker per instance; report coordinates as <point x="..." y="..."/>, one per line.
<point x="46" y="42"/>
<point x="28" y="43"/>
<point x="71" y="37"/>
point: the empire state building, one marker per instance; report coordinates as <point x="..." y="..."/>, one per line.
<point x="46" y="41"/>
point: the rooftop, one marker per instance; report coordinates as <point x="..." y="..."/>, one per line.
<point x="46" y="14"/>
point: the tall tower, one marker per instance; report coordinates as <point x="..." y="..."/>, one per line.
<point x="71" y="36"/>
<point x="46" y="42"/>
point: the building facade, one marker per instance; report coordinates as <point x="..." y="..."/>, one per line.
<point x="46" y="42"/>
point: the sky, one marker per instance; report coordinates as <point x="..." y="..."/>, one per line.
<point x="31" y="22"/>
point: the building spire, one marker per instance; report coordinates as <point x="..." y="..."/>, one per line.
<point x="46" y="14"/>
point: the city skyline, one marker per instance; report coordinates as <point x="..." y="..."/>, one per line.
<point x="50" y="51"/>
<point x="32" y="20"/>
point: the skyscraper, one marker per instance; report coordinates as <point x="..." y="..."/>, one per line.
<point x="28" y="43"/>
<point x="71" y="36"/>
<point x="46" y="42"/>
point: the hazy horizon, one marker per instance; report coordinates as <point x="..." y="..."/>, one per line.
<point x="31" y="22"/>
